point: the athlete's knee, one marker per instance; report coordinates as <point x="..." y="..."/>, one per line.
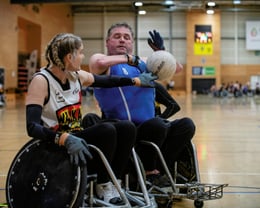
<point x="108" y="130"/>
<point x="106" y="126"/>
<point x="127" y="125"/>
<point x="189" y="126"/>
<point x="127" y="131"/>
<point x="189" y="122"/>
<point x="90" y="119"/>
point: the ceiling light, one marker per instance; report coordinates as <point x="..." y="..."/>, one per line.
<point x="211" y="3"/>
<point x="168" y="2"/>
<point x="138" y="3"/>
<point x="236" y="2"/>
<point x="210" y="11"/>
<point x="142" y="12"/>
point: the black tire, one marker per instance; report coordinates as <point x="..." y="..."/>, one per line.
<point x="186" y="166"/>
<point x="198" y="204"/>
<point x="41" y="176"/>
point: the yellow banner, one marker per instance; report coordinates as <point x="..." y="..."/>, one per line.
<point x="203" y="48"/>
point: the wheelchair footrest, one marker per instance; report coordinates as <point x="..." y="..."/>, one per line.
<point x="203" y="192"/>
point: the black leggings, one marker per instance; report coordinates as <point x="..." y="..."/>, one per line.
<point x="116" y="140"/>
<point x="170" y="136"/>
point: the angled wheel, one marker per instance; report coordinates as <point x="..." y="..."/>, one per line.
<point x="41" y="176"/>
<point x="186" y="166"/>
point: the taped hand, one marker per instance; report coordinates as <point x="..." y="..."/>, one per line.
<point x="77" y="149"/>
<point x="156" y="41"/>
<point x="147" y="79"/>
<point x="132" y="60"/>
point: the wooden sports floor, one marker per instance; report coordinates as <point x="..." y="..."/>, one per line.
<point x="227" y="141"/>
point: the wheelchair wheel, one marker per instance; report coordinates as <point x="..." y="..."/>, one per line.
<point x="41" y="176"/>
<point x="186" y="166"/>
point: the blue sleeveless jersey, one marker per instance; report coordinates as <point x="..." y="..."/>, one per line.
<point x="127" y="103"/>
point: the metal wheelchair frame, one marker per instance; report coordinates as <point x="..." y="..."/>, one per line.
<point x="193" y="190"/>
<point x="83" y="195"/>
<point x="38" y="188"/>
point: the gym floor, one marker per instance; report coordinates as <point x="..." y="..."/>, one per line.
<point x="227" y="142"/>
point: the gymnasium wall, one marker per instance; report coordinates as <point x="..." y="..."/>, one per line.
<point x="236" y="63"/>
<point x="51" y="19"/>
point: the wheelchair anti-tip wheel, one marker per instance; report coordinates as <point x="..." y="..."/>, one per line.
<point x="41" y="176"/>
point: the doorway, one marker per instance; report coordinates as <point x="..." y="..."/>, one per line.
<point x="29" y="45"/>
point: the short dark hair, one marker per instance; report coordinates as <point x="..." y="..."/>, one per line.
<point x="122" y="24"/>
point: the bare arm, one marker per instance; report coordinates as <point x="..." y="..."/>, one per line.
<point x="86" y="78"/>
<point x="100" y="63"/>
<point x="37" y="91"/>
<point x="179" y="67"/>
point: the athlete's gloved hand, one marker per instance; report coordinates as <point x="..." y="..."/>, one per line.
<point x="132" y="60"/>
<point x="156" y="41"/>
<point x="147" y="78"/>
<point x="77" y="149"/>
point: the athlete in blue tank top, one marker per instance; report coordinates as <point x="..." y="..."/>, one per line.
<point x="138" y="105"/>
<point x="128" y="102"/>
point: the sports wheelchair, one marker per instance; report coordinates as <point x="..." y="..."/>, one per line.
<point x="41" y="176"/>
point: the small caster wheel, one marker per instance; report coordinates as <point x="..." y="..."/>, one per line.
<point x="198" y="204"/>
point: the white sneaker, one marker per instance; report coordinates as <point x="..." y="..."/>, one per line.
<point x="108" y="193"/>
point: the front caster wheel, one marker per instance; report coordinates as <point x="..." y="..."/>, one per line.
<point x="198" y="204"/>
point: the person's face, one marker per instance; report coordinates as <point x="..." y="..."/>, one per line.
<point x="120" y="41"/>
<point x="75" y="60"/>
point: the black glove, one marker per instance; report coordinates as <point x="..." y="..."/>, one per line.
<point x="147" y="79"/>
<point x="77" y="149"/>
<point x="133" y="60"/>
<point x="156" y="41"/>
